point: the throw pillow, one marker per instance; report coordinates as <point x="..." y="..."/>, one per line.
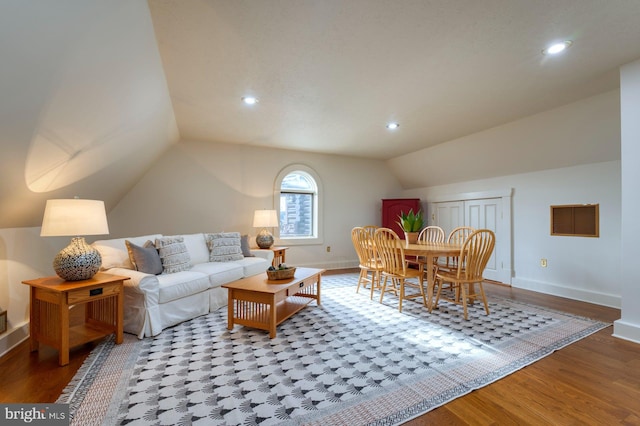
<point x="244" y="246"/>
<point x="173" y="253"/>
<point x="224" y="247"/>
<point x="144" y="259"/>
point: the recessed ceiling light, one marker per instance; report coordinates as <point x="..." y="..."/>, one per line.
<point x="250" y="100"/>
<point x="393" y="126"/>
<point x="556" y="48"/>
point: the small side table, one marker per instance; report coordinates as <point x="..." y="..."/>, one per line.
<point x="279" y="255"/>
<point x="51" y="298"/>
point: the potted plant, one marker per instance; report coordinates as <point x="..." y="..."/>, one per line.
<point x="411" y="223"/>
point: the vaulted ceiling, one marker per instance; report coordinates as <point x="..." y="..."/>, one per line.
<point x="331" y="74"/>
<point x="94" y="92"/>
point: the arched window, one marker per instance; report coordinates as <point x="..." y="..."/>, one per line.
<point x="298" y="201"/>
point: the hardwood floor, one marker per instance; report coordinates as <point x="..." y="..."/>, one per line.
<point x="595" y="381"/>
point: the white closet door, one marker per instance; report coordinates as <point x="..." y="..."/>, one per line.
<point x="485" y="209"/>
<point x="448" y="215"/>
<point x="486" y="214"/>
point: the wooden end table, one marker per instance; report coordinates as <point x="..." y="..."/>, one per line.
<point x="279" y="255"/>
<point x="51" y="298"/>
<point x="262" y="303"/>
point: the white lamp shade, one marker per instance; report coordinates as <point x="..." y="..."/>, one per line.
<point x="72" y="217"/>
<point x="265" y="219"/>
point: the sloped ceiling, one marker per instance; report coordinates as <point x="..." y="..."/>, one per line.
<point x="330" y="74"/>
<point x="84" y="105"/>
<point x="93" y="92"/>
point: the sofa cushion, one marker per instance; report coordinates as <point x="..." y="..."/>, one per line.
<point x="253" y="265"/>
<point x="224" y="247"/>
<point x="181" y="284"/>
<point x="146" y="258"/>
<point x="245" y="247"/>
<point x="114" y="252"/>
<point x="197" y="247"/>
<point x="220" y="272"/>
<point x="174" y="255"/>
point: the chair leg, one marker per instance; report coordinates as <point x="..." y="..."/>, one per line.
<point x="463" y="290"/>
<point x="401" y="294"/>
<point x="396" y="284"/>
<point x="424" y="293"/>
<point x="484" y="298"/>
<point x="384" y="288"/>
<point x="472" y="292"/>
<point x="375" y="282"/>
<point x="434" y="305"/>
<point x="362" y="279"/>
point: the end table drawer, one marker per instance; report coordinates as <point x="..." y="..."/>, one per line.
<point x="87" y="294"/>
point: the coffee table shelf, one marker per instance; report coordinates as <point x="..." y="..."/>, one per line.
<point x="262" y="303"/>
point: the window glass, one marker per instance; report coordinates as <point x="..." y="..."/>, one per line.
<point x="298" y="206"/>
<point x="297" y="181"/>
<point x="296" y="215"/>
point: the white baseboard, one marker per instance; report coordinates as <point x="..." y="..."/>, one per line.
<point x="13" y="338"/>
<point x="626" y="330"/>
<point x="339" y="264"/>
<point x="603" y="299"/>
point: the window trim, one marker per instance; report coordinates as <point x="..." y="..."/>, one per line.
<point x="317" y="206"/>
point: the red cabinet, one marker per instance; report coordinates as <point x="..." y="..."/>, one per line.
<point x="391" y="209"/>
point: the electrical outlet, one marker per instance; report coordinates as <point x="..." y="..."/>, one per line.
<point x="543" y="262"/>
<point x="328" y="249"/>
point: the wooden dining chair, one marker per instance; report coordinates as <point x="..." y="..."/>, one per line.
<point x="371" y="229"/>
<point x="456" y="236"/>
<point x="433" y="234"/>
<point x="395" y="267"/>
<point x="369" y="262"/>
<point x="430" y="234"/>
<point x="473" y="258"/>
<point x="459" y="235"/>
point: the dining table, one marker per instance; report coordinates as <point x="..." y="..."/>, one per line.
<point x="431" y="251"/>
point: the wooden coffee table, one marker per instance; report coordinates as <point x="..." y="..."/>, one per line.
<point x="262" y="303"/>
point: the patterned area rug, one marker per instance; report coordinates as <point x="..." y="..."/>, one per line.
<point x="351" y="361"/>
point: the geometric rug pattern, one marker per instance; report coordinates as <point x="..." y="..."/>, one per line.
<point x="350" y="361"/>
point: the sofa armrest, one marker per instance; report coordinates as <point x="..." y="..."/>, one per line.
<point x="263" y="253"/>
<point x="139" y="282"/>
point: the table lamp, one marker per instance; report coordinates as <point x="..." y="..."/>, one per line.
<point x="265" y="219"/>
<point x="75" y="217"/>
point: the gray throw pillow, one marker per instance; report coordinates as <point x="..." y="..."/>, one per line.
<point x="146" y="258"/>
<point x="244" y="246"/>
<point x="224" y="247"/>
<point x="174" y="255"/>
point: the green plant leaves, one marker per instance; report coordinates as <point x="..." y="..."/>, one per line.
<point x="411" y="222"/>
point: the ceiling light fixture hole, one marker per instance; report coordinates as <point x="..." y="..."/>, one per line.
<point x="557" y="48"/>
<point x="250" y="100"/>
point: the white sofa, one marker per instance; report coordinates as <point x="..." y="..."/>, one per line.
<point x="155" y="302"/>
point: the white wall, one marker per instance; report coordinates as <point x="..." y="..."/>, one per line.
<point x="628" y="327"/>
<point x="580" y="268"/>
<point x="24" y="255"/>
<point x="206" y="187"/>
